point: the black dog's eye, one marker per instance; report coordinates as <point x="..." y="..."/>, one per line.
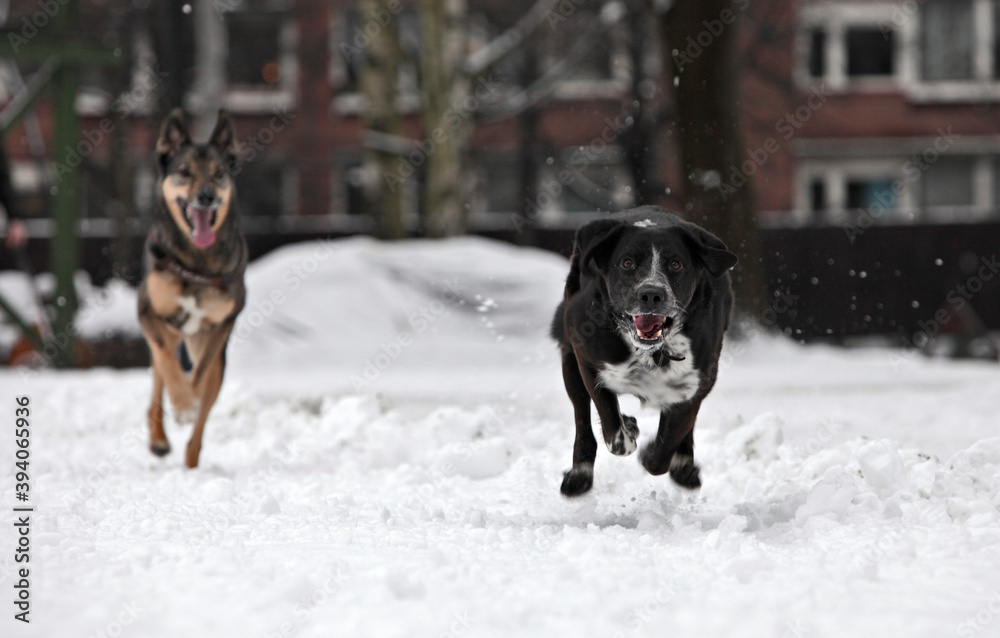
<point x="628" y="264"/>
<point x="219" y="174"/>
<point x="676" y="266"/>
<point x="184" y="172"/>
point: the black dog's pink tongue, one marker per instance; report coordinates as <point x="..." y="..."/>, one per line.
<point x="202" y="234"/>
<point x="648" y="323"/>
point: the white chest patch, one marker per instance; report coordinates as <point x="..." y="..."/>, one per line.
<point x="194" y="315"/>
<point x="641" y="377"/>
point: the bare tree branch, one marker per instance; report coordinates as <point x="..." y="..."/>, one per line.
<point x="488" y="56"/>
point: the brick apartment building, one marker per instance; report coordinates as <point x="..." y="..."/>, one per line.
<point x="872" y="115"/>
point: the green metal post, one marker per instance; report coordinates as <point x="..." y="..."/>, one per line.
<point x="65" y="168"/>
<point x="63" y="257"/>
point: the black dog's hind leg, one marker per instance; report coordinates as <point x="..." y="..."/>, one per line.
<point x="579" y="479"/>
<point x="673" y="448"/>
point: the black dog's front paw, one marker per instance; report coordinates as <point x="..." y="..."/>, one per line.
<point x="652" y="460"/>
<point x="577" y="481"/>
<point x="623" y="442"/>
<point x="684" y="472"/>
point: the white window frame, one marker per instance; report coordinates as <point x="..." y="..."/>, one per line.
<point x="836" y="172"/>
<point x="904" y="19"/>
<point x="267" y="99"/>
<point x="835" y="19"/>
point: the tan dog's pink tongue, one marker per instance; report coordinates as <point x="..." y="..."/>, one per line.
<point x="202" y="234"/>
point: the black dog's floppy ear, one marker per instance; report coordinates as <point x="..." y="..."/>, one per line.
<point x="173" y="136"/>
<point x="710" y="250"/>
<point x="595" y="241"/>
<point x="224" y="135"/>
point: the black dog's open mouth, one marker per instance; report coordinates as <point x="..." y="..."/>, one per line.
<point x="201" y="221"/>
<point x="651" y="327"/>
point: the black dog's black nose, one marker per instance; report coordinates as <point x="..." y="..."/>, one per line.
<point x="206" y="197"/>
<point x="651" y="296"/>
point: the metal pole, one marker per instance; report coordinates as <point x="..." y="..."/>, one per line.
<point x="63" y="248"/>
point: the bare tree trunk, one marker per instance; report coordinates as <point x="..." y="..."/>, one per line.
<point x="382" y="170"/>
<point x="701" y="57"/>
<point x="639" y="137"/>
<point x="446" y="126"/>
<point x="527" y="122"/>
<point x="211" y="44"/>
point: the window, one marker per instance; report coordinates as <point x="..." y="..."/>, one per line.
<point x="946" y="41"/>
<point x="260" y="62"/>
<point x="869" y="51"/>
<point x="947" y="183"/>
<point x="996" y="39"/>
<point x="353" y="190"/>
<point x="349" y="56"/>
<point x="500" y="177"/>
<point x="261" y="189"/>
<point x="934" y="51"/>
<point x="817" y="53"/>
<point x="597" y="181"/>
<point x="866" y="194"/>
<point x="254" y="48"/>
<point x="596" y="59"/>
<point x="817" y="197"/>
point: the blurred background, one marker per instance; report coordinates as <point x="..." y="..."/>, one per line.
<point x="849" y="152"/>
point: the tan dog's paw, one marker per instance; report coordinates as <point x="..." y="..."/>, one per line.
<point x="188" y="415"/>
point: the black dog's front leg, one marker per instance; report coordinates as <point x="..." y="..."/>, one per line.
<point x="673" y="448"/>
<point x="619" y="432"/>
<point x="579" y="479"/>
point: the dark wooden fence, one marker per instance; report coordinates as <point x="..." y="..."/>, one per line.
<point x="891" y="280"/>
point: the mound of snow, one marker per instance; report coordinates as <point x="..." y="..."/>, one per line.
<point x="357" y="308"/>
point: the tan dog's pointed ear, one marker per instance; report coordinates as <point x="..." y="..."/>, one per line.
<point x="224" y="135"/>
<point x="173" y="136"/>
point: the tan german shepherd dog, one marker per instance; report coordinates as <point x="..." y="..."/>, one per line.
<point x="195" y="257"/>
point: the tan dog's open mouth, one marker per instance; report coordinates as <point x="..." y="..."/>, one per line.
<point x="201" y="220"/>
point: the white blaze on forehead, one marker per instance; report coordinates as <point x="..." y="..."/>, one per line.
<point x="654" y="269"/>
<point x="646" y="223"/>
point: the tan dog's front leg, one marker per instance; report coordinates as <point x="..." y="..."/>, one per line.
<point x="209" y="353"/>
<point x="158" y="443"/>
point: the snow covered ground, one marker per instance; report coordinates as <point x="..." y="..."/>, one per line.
<point x="385" y="459"/>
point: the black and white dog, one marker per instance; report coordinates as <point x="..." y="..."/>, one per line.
<point x="647" y="301"/>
